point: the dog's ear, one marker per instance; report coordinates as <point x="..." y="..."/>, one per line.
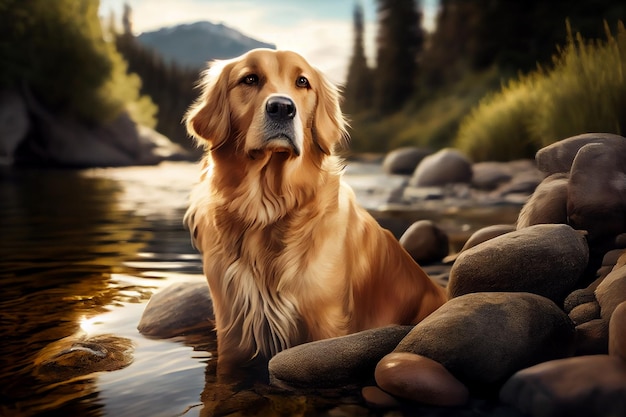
<point x="329" y="125"/>
<point x="208" y="117"/>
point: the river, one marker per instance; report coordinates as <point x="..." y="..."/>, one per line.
<point x="82" y="251"/>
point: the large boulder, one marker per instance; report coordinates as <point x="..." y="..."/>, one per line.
<point x="558" y="157"/>
<point x="483" y="338"/>
<point x="545" y="259"/>
<point x="335" y="362"/>
<point x="403" y="161"/>
<point x="596" y="195"/>
<point x="447" y="166"/>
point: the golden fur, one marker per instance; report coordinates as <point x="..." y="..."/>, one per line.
<point x="289" y="255"/>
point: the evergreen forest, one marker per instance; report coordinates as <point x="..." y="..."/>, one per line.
<point x="496" y="78"/>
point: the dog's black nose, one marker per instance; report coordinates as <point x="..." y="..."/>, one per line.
<point x="280" y="108"/>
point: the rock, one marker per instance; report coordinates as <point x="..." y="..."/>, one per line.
<point x="403" y="161"/>
<point x="68" y="142"/>
<point x="558" y="157"/>
<point x="180" y="308"/>
<point x="611" y="292"/>
<point x="620" y="241"/>
<point x="583" y="313"/>
<point x="14" y="124"/>
<point x="581" y="296"/>
<point x="420" y="379"/>
<point x="548" y="204"/>
<point x="80" y="355"/>
<point x="483" y="338"/>
<point x="612" y="257"/>
<point x="486" y="233"/>
<point x="446" y="166"/>
<point x="425" y="242"/>
<point x="581" y="386"/>
<point x="617" y="332"/>
<point x="592" y="337"/>
<point x="559" y="257"/>
<point x="596" y="193"/>
<point x="375" y="397"/>
<point x="489" y="175"/>
<point x="523" y="183"/>
<point x="335" y="362"/>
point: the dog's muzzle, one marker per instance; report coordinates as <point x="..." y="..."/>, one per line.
<point x="281" y="132"/>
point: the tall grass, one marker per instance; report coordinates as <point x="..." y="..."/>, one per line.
<point x="584" y="91"/>
<point x="430" y="120"/>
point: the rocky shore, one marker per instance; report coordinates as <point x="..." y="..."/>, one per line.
<point x="536" y="320"/>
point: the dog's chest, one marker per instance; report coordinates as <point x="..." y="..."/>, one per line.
<point x="258" y="303"/>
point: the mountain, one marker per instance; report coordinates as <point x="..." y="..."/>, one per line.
<point x="192" y="45"/>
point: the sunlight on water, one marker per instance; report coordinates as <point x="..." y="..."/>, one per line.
<point x="81" y="254"/>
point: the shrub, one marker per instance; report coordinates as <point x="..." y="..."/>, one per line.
<point x="584" y="91"/>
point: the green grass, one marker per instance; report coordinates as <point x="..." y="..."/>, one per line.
<point x="584" y="91"/>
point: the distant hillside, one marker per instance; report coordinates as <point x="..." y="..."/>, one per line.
<point x="192" y="45"/>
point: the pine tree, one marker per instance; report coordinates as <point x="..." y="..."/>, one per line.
<point x="359" y="88"/>
<point x="168" y="85"/>
<point x="399" y="43"/>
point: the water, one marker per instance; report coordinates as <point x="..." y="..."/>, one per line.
<point x="81" y="252"/>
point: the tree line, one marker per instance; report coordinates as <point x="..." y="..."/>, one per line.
<point x="470" y="37"/>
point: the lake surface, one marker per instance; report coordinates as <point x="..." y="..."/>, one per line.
<point x="81" y="252"/>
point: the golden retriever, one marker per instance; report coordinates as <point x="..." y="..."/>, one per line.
<point x="289" y="255"/>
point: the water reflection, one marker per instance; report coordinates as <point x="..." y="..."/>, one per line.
<point x="76" y="248"/>
<point x="80" y="254"/>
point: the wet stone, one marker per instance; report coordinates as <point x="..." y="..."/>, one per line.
<point x="425" y="242"/>
<point x="420" y="379"/>
<point x="483" y="338"/>
<point x="559" y="257"/>
<point x="335" y="362"/>
<point x="80" y="355"/>
<point x="580" y="386"/>
<point x="179" y="309"/>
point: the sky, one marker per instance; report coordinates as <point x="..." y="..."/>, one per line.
<point x="320" y="30"/>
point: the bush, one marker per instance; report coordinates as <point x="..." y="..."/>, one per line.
<point x="498" y="129"/>
<point x="56" y="49"/>
<point x="585" y="91"/>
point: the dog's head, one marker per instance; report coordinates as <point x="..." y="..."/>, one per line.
<point x="267" y="102"/>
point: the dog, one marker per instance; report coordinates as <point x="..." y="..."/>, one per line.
<point x="289" y="255"/>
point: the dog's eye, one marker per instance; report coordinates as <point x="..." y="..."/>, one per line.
<point x="250" y="79"/>
<point x="302" y="82"/>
